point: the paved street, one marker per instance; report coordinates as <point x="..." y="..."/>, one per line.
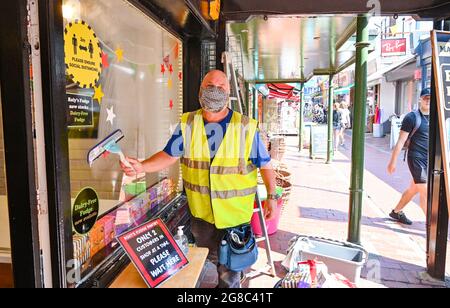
<point x="319" y="207"/>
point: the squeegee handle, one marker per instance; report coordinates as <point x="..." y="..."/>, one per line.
<point x="124" y="160"/>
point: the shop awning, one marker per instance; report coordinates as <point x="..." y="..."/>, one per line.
<point x="283" y="91"/>
<point x="404" y="71"/>
<point x="343" y="90"/>
<point x="375" y="77"/>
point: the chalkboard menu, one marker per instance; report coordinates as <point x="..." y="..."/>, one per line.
<point x="154" y="252"/>
<point x="319" y="141"/>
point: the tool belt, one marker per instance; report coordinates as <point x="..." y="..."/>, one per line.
<point x="238" y="250"/>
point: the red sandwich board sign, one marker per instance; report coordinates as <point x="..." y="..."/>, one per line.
<point x="441" y="64"/>
<point x="154" y="252"/>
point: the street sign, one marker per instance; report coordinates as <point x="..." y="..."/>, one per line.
<point x="441" y="65"/>
<point x="393" y="47"/>
<point x="154" y="252"/>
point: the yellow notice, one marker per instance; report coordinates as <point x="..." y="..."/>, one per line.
<point x="83" y="54"/>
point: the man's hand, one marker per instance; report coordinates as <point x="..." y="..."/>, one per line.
<point x="391" y="167"/>
<point x="137" y="167"/>
<point x="270" y="209"/>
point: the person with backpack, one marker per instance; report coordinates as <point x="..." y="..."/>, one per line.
<point x="414" y="138"/>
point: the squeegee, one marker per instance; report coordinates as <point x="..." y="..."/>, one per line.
<point x="108" y="145"/>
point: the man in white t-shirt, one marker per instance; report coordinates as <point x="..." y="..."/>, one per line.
<point x="345" y="121"/>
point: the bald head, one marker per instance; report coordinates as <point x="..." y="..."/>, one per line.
<point x="218" y="79"/>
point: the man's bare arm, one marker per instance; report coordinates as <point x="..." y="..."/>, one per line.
<point x="397" y="150"/>
<point x="156" y="163"/>
<point x="269" y="178"/>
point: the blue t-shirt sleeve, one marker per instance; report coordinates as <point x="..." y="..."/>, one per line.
<point x="259" y="156"/>
<point x="175" y="147"/>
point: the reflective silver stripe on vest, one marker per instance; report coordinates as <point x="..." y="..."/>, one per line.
<point x="195" y="164"/>
<point x="203" y="165"/>
<point x="228" y="194"/>
<point x="244" y="135"/>
<point x="188" y="133"/>
<point x="233" y="170"/>
<point x="196" y="188"/>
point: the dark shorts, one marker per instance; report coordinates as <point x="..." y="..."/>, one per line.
<point x="419" y="169"/>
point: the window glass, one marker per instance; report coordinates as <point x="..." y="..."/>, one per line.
<point x="137" y="100"/>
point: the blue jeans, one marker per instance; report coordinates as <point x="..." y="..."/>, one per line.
<point x="208" y="236"/>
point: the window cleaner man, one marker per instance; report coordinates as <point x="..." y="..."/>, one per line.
<point x="220" y="152"/>
<point x="415" y="131"/>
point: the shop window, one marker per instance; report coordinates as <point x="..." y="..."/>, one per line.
<point x="139" y="92"/>
<point x="5" y="245"/>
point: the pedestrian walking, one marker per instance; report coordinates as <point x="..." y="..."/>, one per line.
<point x="337" y="125"/>
<point x="414" y="135"/>
<point x="345" y="121"/>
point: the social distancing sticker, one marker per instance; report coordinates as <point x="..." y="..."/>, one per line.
<point x="83" y="54"/>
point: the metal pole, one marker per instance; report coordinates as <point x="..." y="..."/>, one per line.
<point x="330" y="150"/>
<point x="359" y="127"/>
<point x="300" y="126"/>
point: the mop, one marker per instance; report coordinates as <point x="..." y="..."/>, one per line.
<point x="106" y="146"/>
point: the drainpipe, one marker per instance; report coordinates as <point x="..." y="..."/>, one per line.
<point x="302" y="109"/>
<point x="359" y="127"/>
<point x="330" y="151"/>
<point x="255" y="102"/>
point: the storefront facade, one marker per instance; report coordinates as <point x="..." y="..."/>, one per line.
<point x="112" y="68"/>
<point x="424" y="54"/>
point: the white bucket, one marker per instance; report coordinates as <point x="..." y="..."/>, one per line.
<point x="378" y="131"/>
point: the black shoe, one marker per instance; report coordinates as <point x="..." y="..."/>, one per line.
<point x="401" y="218"/>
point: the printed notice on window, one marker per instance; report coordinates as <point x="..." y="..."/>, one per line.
<point x="81" y="111"/>
<point x="154" y="252"/>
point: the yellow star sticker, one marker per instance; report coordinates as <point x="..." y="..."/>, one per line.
<point x="170" y="83"/>
<point x="119" y="54"/>
<point x="98" y="95"/>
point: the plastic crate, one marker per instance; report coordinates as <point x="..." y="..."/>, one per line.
<point x="340" y="257"/>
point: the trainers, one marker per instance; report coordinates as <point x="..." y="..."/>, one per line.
<point x="401" y="218"/>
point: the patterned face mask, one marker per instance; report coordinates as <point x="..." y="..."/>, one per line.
<point x="213" y="99"/>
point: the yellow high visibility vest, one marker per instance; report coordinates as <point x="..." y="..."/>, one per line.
<point x="221" y="192"/>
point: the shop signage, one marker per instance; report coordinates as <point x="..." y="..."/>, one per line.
<point x="393" y="47"/>
<point x="85" y="211"/>
<point x="81" y="110"/>
<point x="83" y="54"/>
<point x="210" y="9"/>
<point x="154" y="252"/>
<point x="441" y="63"/>
<point x="319" y="141"/>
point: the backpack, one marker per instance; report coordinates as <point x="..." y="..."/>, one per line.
<point x="418" y="119"/>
